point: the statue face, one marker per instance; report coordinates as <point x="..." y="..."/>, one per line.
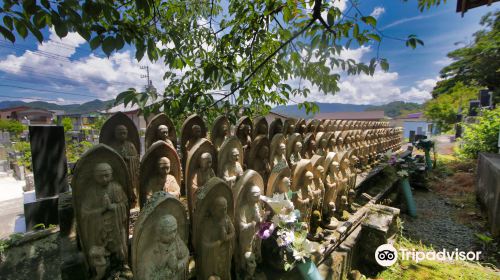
<point x="206" y="161"/>
<point x="254" y="194"/>
<point x="168" y="237"/>
<point x="167" y="230"/>
<point x="320" y="170"/>
<point x="323" y="143"/>
<point x="264" y="152"/>
<point x="235" y="155"/>
<point x="282" y="149"/>
<point x="312" y="145"/>
<point x="298" y="147"/>
<point x="220" y="208"/>
<point x="286" y="183"/>
<point x="279" y="128"/>
<point x="308" y="178"/>
<point x="291" y="129"/>
<point x="164" y="166"/>
<point x="103" y="174"/>
<point x="332" y="142"/>
<point x="121" y="133"/>
<point x="196" y="129"/>
<point x="163" y="132"/>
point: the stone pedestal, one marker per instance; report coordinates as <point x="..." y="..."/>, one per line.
<point x="40" y="211"/>
<point x="488" y="188"/>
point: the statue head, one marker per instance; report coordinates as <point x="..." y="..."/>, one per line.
<point x="235" y="155"/>
<point x="263" y="152"/>
<point x="219" y="210"/>
<point x="312" y="145"/>
<point x="282" y="149"/>
<point x="163" y="166"/>
<point x="253" y="194"/>
<point x="320" y="170"/>
<point x="323" y="143"/>
<point x="291" y="129"/>
<point x="297" y="148"/>
<point x="321" y="127"/>
<point x="250" y="263"/>
<point x="278" y="128"/>
<point x="285" y="185"/>
<point x="351" y="194"/>
<point x="196" y="130"/>
<point x="340" y="141"/>
<point x="308" y="178"/>
<point x="162" y="132"/>
<point x="262" y="129"/>
<point x="167" y="229"/>
<point x="103" y="174"/>
<point x="206" y="161"/>
<point x="121" y="133"/>
<point x="332" y="142"/>
<point x="334" y="166"/>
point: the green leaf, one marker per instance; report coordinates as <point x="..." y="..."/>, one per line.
<point x="355" y="31"/>
<point x="21" y="28"/>
<point x="375" y="37"/>
<point x="45" y="3"/>
<point x="7" y="34"/>
<point x="8" y="22"/>
<point x="331" y="16"/>
<point x="108" y="45"/>
<point x="140" y="49"/>
<point x="287" y="15"/>
<point x="369" y="20"/>
<point x="384" y="64"/>
<point x="40" y="20"/>
<point x="61" y="29"/>
<point x="95" y="42"/>
<point x="38" y="35"/>
<point x="119" y="43"/>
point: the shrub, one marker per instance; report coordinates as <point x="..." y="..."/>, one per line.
<point x="481" y="136"/>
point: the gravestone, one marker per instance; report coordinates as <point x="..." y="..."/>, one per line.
<point x="412" y="136"/>
<point x="49" y="171"/>
<point x="473" y="108"/>
<point x="48" y="160"/>
<point x="485" y="98"/>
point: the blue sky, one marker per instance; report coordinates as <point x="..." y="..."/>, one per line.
<point x="65" y="71"/>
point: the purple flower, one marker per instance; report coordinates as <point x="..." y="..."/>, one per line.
<point x="265" y="230"/>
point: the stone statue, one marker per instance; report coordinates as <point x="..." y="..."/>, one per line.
<point x="332" y="182"/>
<point x="159" y="248"/>
<point x="160" y="171"/>
<point x="275" y="127"/>
<point x="221" y="130"/>
<point x="278" y="153"/>
<point x="233" y="169"/>
<point x="248" y="217"/>
<point x="309" y="149"/>
<point x="120" y="133"/>
<point x="100" y="185"/>
<point x="261" y="127"/>
<point x="279" y="183"/>
<point x="199" y="169"/>
<point x="306" y="194"/>
<point x="258" y="159"/>
<point x="296" y="154"/>
<point x="213" y="231"/>
<point x="230" y="161"/>
<point x="160" y="128"/>
<point x="192" y="131"/>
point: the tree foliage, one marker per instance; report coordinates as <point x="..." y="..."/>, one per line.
<point x="481" y="136"/>
<point x="12" y="126"/>
<point x="216" y="51"/>
<point x="444" y="108"/>
<point x="478" y="63"/>
<point x="67" y="123"/>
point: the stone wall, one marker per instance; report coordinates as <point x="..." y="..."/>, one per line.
<point x="488" y="188"/>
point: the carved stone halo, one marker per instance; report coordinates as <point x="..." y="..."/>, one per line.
<point x="152" y="130"/>
<point x="107" y="133"/>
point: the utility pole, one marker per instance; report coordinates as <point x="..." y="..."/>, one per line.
<point x="149" y="84"/>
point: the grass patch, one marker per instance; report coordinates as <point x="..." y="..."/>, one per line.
<point x="424" y="270"/>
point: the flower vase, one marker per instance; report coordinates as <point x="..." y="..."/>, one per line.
<point x="309" y="271"/>
<point x="410" y="202"/>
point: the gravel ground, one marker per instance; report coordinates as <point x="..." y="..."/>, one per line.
<point x="435" y="224"/>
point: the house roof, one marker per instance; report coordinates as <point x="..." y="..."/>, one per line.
<point x="367" y="115"/>
<point x="15" y="109"/>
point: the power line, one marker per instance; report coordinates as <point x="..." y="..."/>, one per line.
<point x="29" y="98"/>
<point x="45" y="90"/>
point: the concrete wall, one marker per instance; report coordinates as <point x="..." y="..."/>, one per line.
<point x="488" y="188"/>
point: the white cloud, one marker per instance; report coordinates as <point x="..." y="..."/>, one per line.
<point x="405" y="20"/>
<point x="89" y="75"/>
<point x="444" y="61"/>
<point x="381" y="88"/>
<point x="377" y="12"/>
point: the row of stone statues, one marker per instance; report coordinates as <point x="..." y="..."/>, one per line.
<point x="223" y="175"/>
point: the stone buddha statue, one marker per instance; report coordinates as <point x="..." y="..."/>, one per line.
<point x="233" y="169"/>
<point x="225" y="132"/>
<point x="248" y="221"/>
<point x="162" y="134"/>
<point x="296" y="156"/>
<point x="203" y="174"/>
<point x="163" y="181"/>
<point x="127" y="150"/>
<point x="104" y="221"/>
<point x="170" y="256"/>
<point x="323" y="147"/>
<point x="304" y="198"/>
<point x="279" y="160"/>
<point x="284" y="186"/>
<point x="217" y="243"/>
<point x="196" y="135"/>
<point x="331" y="183"/>
<point x="261" y="164"/>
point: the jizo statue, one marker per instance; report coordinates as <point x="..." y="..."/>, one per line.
<point x="163" y="180"/>
<point x="162" y="134"/>
<point x="203" y="174"/>
<point x="233" y="169"/>
<point x="196" y="135"/>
